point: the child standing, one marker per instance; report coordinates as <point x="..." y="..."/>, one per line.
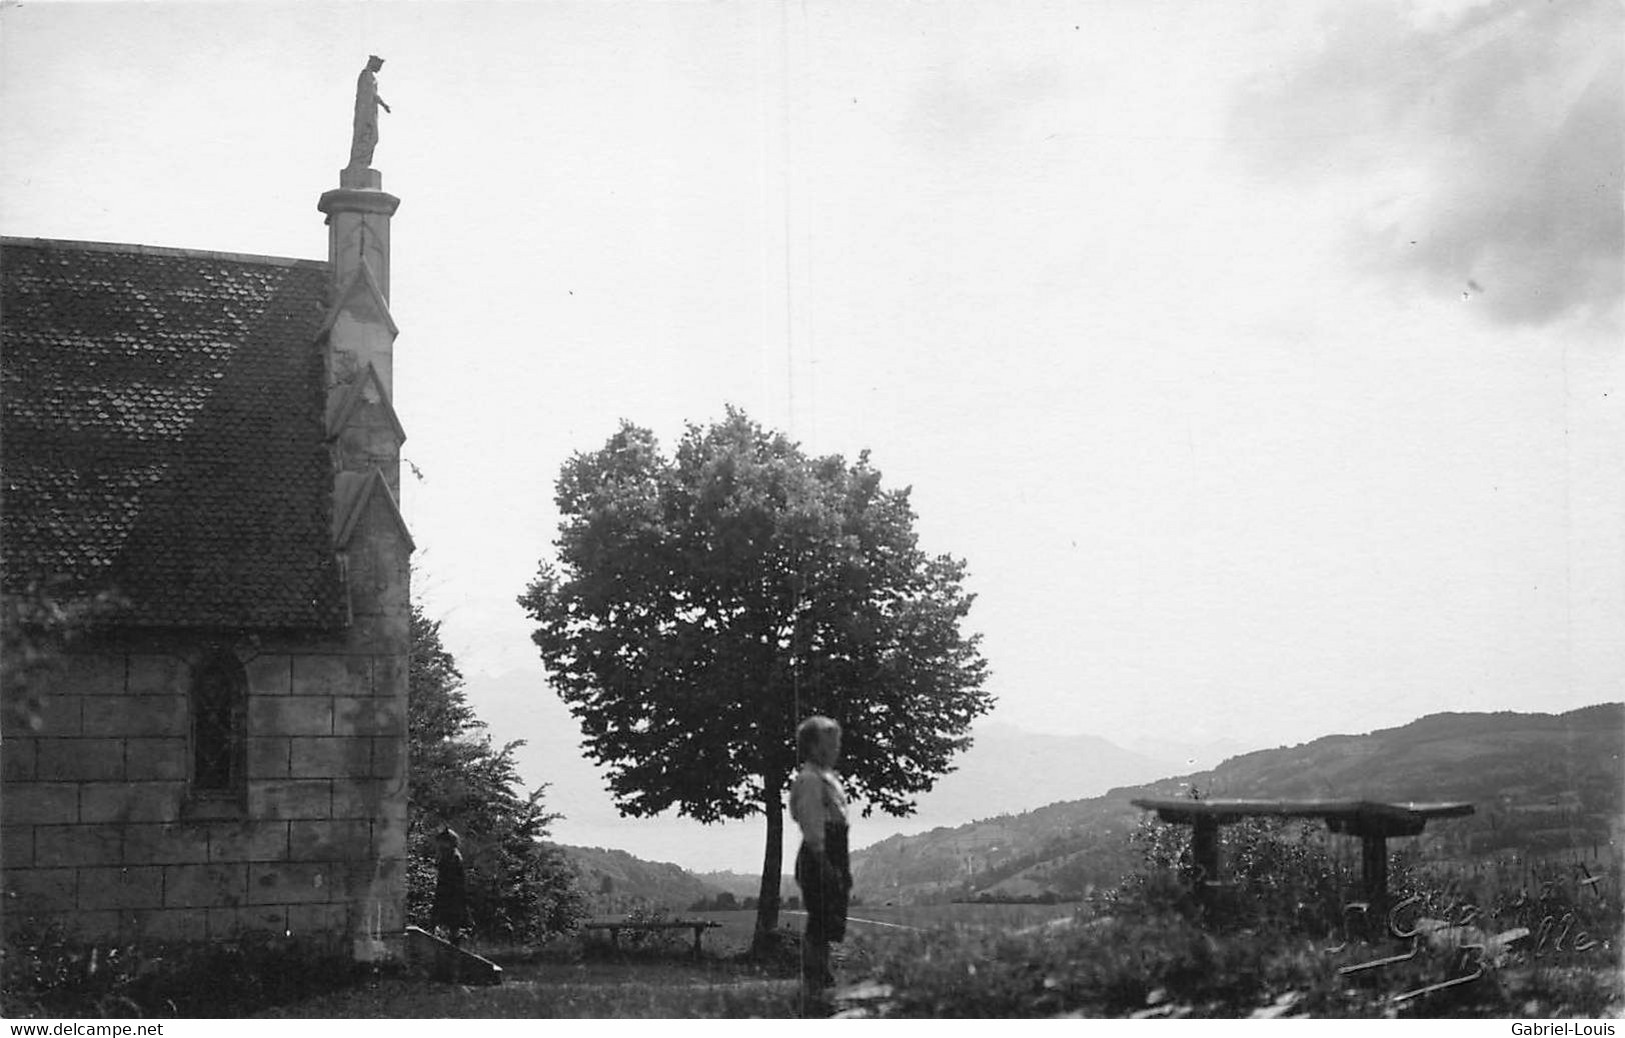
<point x="823" y="870"/>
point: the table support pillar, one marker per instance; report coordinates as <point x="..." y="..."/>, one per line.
<point x="1374" y="870"/>
<point x="1205" y="855"/>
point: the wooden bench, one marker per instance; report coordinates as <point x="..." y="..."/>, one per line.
<point x="617" y="926"/>
<point x="1372" y="821"/>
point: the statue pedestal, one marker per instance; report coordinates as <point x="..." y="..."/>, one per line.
<point x="358" y="215"/>
<point x="361" y="177"/>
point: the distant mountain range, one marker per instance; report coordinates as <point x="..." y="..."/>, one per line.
<point x="1010" y="769"/>
<point x="1540" y="782"/>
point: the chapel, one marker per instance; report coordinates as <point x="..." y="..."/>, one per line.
<point x="206" y="445"/>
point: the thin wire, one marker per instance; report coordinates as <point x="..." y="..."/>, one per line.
<point x="795" y="657"/>
<point x="790" y="388"/>
<point x="785" y="157"/>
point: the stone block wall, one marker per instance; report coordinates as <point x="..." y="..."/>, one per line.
<point x="103" y="834"/>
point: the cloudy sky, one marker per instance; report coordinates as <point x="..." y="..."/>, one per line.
<point x="1262" y="359"/>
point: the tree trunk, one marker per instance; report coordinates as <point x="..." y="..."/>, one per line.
<point x="767" y="900"/>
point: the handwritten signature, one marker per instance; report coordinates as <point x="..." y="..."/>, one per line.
<point x="1455" y="931"/>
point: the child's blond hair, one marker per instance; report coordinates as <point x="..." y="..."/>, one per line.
<point x="811" y="732"/>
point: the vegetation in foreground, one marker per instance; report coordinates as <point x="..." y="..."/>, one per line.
<point x="42" y="974"/>
<point x="1169" y="966"/>
<point x="1281" y="939"/>
<point x="1279" y="943"/>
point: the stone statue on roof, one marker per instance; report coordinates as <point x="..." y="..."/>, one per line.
<point x="367" y="103"/>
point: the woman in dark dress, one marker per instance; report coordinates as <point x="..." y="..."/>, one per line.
<point x="450" y="887"/>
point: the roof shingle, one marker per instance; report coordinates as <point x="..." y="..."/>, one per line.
<point x="161" y="433"/>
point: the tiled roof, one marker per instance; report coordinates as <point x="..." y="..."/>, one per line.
<point x="161" y="433"/>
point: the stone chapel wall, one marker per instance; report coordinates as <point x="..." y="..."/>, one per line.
<point x="102" y="833"/>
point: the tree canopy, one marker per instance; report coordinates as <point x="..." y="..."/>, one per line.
<point x="702" y="604"/>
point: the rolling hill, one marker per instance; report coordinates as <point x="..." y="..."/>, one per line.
<point x="1540" y="783"/>
<point x="742" y="885"/>
<point x="619" y="883"/>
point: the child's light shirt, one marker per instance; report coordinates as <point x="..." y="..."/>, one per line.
<point x="816" y="799"/>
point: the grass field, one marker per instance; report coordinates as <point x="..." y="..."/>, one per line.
<point x="865" y="920"/>
<point x="648" y="990"/>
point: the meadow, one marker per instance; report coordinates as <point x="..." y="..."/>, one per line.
<point x="737" y="928"/>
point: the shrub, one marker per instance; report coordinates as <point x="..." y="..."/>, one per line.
<point x="1278" y="874"/>
<point x="43" y="973"/>
<point x="644" y="944"/>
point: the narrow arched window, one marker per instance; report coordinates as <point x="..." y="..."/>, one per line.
<point x="219" y="711"/>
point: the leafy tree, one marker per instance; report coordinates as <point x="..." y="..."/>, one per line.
<point x="518" y="887"/>
<point x="703" y="604"/>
